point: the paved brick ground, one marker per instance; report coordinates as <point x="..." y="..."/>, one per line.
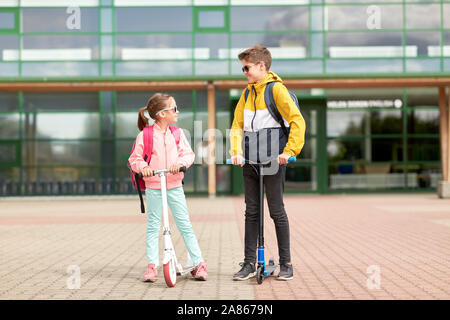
<point x="334" y="240"/>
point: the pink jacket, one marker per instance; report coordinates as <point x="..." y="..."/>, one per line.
<point x="164" y="155"/>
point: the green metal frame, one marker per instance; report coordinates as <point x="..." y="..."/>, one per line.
<point x="227" y="29"/>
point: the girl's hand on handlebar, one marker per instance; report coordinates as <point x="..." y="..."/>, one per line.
<point x="147" y="172"/>
<point x="175" y="168"/>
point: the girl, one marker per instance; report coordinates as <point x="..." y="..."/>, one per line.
<point x="165" y="154"/>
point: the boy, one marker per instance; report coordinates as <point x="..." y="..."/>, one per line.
<point x="251" y="117"/>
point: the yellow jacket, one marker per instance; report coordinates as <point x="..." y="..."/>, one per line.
<point x="247" y="117"/>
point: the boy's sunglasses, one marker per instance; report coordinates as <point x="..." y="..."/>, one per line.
<point x="247" y="67"/>
<point x="175" y="109"/>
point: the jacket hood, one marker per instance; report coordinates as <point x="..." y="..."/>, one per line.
<point x="270" y="77"/>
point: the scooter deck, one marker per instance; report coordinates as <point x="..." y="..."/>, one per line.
<point x="185" y="271"/>
<point x="269" y="270"/>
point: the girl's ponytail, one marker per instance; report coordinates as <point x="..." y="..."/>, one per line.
<point x="156" y="103"/>
<point x="142" y="119"/>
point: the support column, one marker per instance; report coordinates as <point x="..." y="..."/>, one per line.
<point x="211" y="139"/>
<point x="444" y="116"/>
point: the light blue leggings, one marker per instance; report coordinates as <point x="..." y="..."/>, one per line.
<point x="177" y="204"/>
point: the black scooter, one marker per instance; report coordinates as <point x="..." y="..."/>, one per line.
<point x="263" y="269"/>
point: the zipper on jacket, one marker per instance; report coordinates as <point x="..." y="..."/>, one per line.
<point x="254" y="104"/>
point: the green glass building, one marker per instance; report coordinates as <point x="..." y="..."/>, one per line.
<point x="370" y="76"/>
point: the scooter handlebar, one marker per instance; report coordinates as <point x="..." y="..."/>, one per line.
<point x="291" y="159"/>
<point x="182" y="169"/>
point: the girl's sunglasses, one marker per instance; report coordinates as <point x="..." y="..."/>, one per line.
<point x="175" y="109"/>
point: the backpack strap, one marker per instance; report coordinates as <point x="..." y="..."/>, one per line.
<point x="176" y="132"/>
<point x="246" y="93"/>
<point x="148" y="143"/>
<point x="271" y="106"/>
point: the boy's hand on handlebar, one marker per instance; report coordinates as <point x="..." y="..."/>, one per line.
<point x="237" y="160"/>
<point x="147" y="172"/>
<point x="283" y="158"/>
<point x="175" y="168"/>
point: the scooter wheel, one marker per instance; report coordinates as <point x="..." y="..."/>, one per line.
<point x="170" y="273"/>
<point x="260" y="275"/>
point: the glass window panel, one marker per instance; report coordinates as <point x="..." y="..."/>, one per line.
<point x="386" y="122"/>
<point x="8" y="175"/>
<point x="59" y="69"/>
<point x="9" y="126"/>
<point x="63" y="174"/>
<point x="223" y="121"/>
<point x="61" y="125"/>
<point x="425" y="42"/>
<point x="423" y="97"/>
<point x="189" y="180"/>
<point x="9" y="45"/>
<point x="361" y="17"/>
<point x="126" y="125"/>
<point x="423" y="16"/>
<point x="217" y="43"/>
<point x="154" y="19"/>
<point x="133" y="101"/>
<point x="60" y="47"/>
<point x="446" y="15"/>
<point x="223" y="178"/>
<point x="58" y="20"/>
<point x="9" y="102"/>
<point x="107" y="100"/>
<point x="211" y="19"/>
<point x="159" y="47"/>
<point x="281" y="45"/>
<point x="317" y="45"/>
<point x="300" y="178"/>
<point x="107" y="69"/>
<point x="345" y="150"/>
<point x="61" y="101"/>
<point x="201" y="178"/>
<point x="9" y="69"/>
<point x="428" y="176"/>
<point x="317" y="18"/>
<point x="423" y="121"/>
<point x="172" y="68"/>
<point x="123" y="150"/>
<point x="8" y="153"/>
<point x="107" y="47"/>
<point x="364" y="66"/>
<point x="424" y="149"/>
<point x="269" y="18"/>
<point x="7" y="20"/>
<point x="367" y="176"/>
<point x="211" y="67"/>
<point x="106" y="20"/>
<point x="387" y="149"/>
<point x="107" y="126"/>
<point x="79" y="153"/>
<point x="362" y="45"/>
<point x="348" y="123"/>
<point x="296" y="67"/>
<point x="423" y="65"/>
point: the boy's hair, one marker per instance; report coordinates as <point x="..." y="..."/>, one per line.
<point x="156" y="103"/>
<point x="256" y="54"/>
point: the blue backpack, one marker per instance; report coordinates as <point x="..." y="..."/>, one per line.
<point x="271" y="106"/>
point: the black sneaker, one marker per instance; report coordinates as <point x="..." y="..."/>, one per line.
<point x="286" y="272"/>
<point x="247" y="271"/>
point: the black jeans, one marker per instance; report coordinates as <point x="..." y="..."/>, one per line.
<point x="274" y="187"/>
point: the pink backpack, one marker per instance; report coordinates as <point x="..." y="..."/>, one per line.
<point x="136" y="179"/>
